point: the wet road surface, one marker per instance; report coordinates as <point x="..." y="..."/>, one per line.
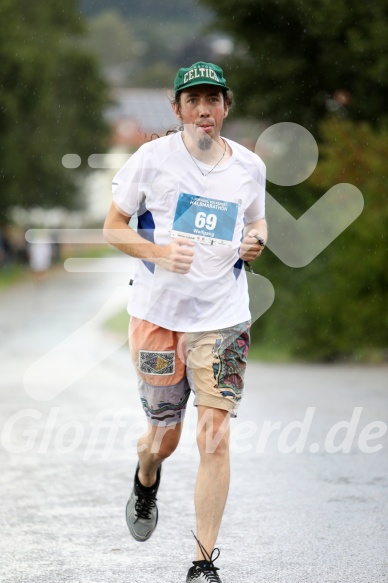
<point x="308" y="496"/>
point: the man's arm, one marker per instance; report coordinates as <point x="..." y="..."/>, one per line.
<point x="176" y="257"/>
<point x="250" y="247"/>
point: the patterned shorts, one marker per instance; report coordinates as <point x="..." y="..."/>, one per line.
<point x="172" y="364"/>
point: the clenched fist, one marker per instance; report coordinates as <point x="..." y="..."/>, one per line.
<point x="250" y="246"/>
<point x="179" y="255"/>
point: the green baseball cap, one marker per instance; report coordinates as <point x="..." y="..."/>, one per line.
<point x="198" y="74"/>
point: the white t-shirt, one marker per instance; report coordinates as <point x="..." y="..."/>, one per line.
<point x="162" y="184"/>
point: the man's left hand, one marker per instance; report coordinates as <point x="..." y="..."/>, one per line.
<point x="250" y="246"/>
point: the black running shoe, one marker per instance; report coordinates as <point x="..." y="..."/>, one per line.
<point x="204" y="571"/>
<point x="142" y="511"/>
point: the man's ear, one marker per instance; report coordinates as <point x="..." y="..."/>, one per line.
<point x="176" y="109"/>
<point x="226" y="110"/>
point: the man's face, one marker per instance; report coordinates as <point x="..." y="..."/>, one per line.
<point x="202" y="111"/>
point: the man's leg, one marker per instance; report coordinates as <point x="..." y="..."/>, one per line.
<point x="154" y="447"/>
<point x="213" y="478"/>
<point x="141" y="510"/>
<point x="164" y="392"/>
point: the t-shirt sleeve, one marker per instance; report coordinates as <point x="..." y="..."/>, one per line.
<point x="256" y="210"/>
<point x="128" y="186"/>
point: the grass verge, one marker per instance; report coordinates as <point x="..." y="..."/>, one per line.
<point x="14" y="274"/>
<point x="118" y="323"/>
<point x="21" y="272"/>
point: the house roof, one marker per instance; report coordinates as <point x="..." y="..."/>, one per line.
<point x="150" y="109"/>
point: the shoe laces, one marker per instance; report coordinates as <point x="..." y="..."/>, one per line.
<point x="145" y="503"/>
<point x="144" y="506"/>
<point x="206" y="567"/>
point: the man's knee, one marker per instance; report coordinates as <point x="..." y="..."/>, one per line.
<point x="213" y="432"/>
<point x="161" y="442"/>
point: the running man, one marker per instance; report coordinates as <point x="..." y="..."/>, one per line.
<point x="199" y="199"/>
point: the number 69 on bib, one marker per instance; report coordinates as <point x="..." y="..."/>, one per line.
<point x="205" y="220"/>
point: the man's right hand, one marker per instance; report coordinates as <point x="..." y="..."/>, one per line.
<point x="177" y="256"/>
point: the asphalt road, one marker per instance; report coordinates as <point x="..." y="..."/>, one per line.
<point x="308" y="497"/>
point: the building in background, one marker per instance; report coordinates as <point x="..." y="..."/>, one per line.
<point x="137" y="114"/>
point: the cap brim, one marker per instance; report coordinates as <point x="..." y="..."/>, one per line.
<point x="201" y="82"/>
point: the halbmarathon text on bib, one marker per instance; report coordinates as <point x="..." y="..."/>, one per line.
<point x="205" y="220"/>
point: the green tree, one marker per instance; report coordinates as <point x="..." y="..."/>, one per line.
<point x="151" y="10"/>
<point x="295" y="59"/>
<point x="138" y="51"/>
<point x="110" y="39"/>
<point x="345" y="313"/>
<point x="336" y="306"/>
<point x="51" y="102"/>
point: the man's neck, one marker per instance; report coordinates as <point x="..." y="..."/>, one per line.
<point x="207" y="150"/>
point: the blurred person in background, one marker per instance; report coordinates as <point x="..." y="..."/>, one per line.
<point x="3" y="248"/>
<point x="40" y="253"/>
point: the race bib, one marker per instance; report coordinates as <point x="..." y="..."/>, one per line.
<point x="205" y="220"/>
